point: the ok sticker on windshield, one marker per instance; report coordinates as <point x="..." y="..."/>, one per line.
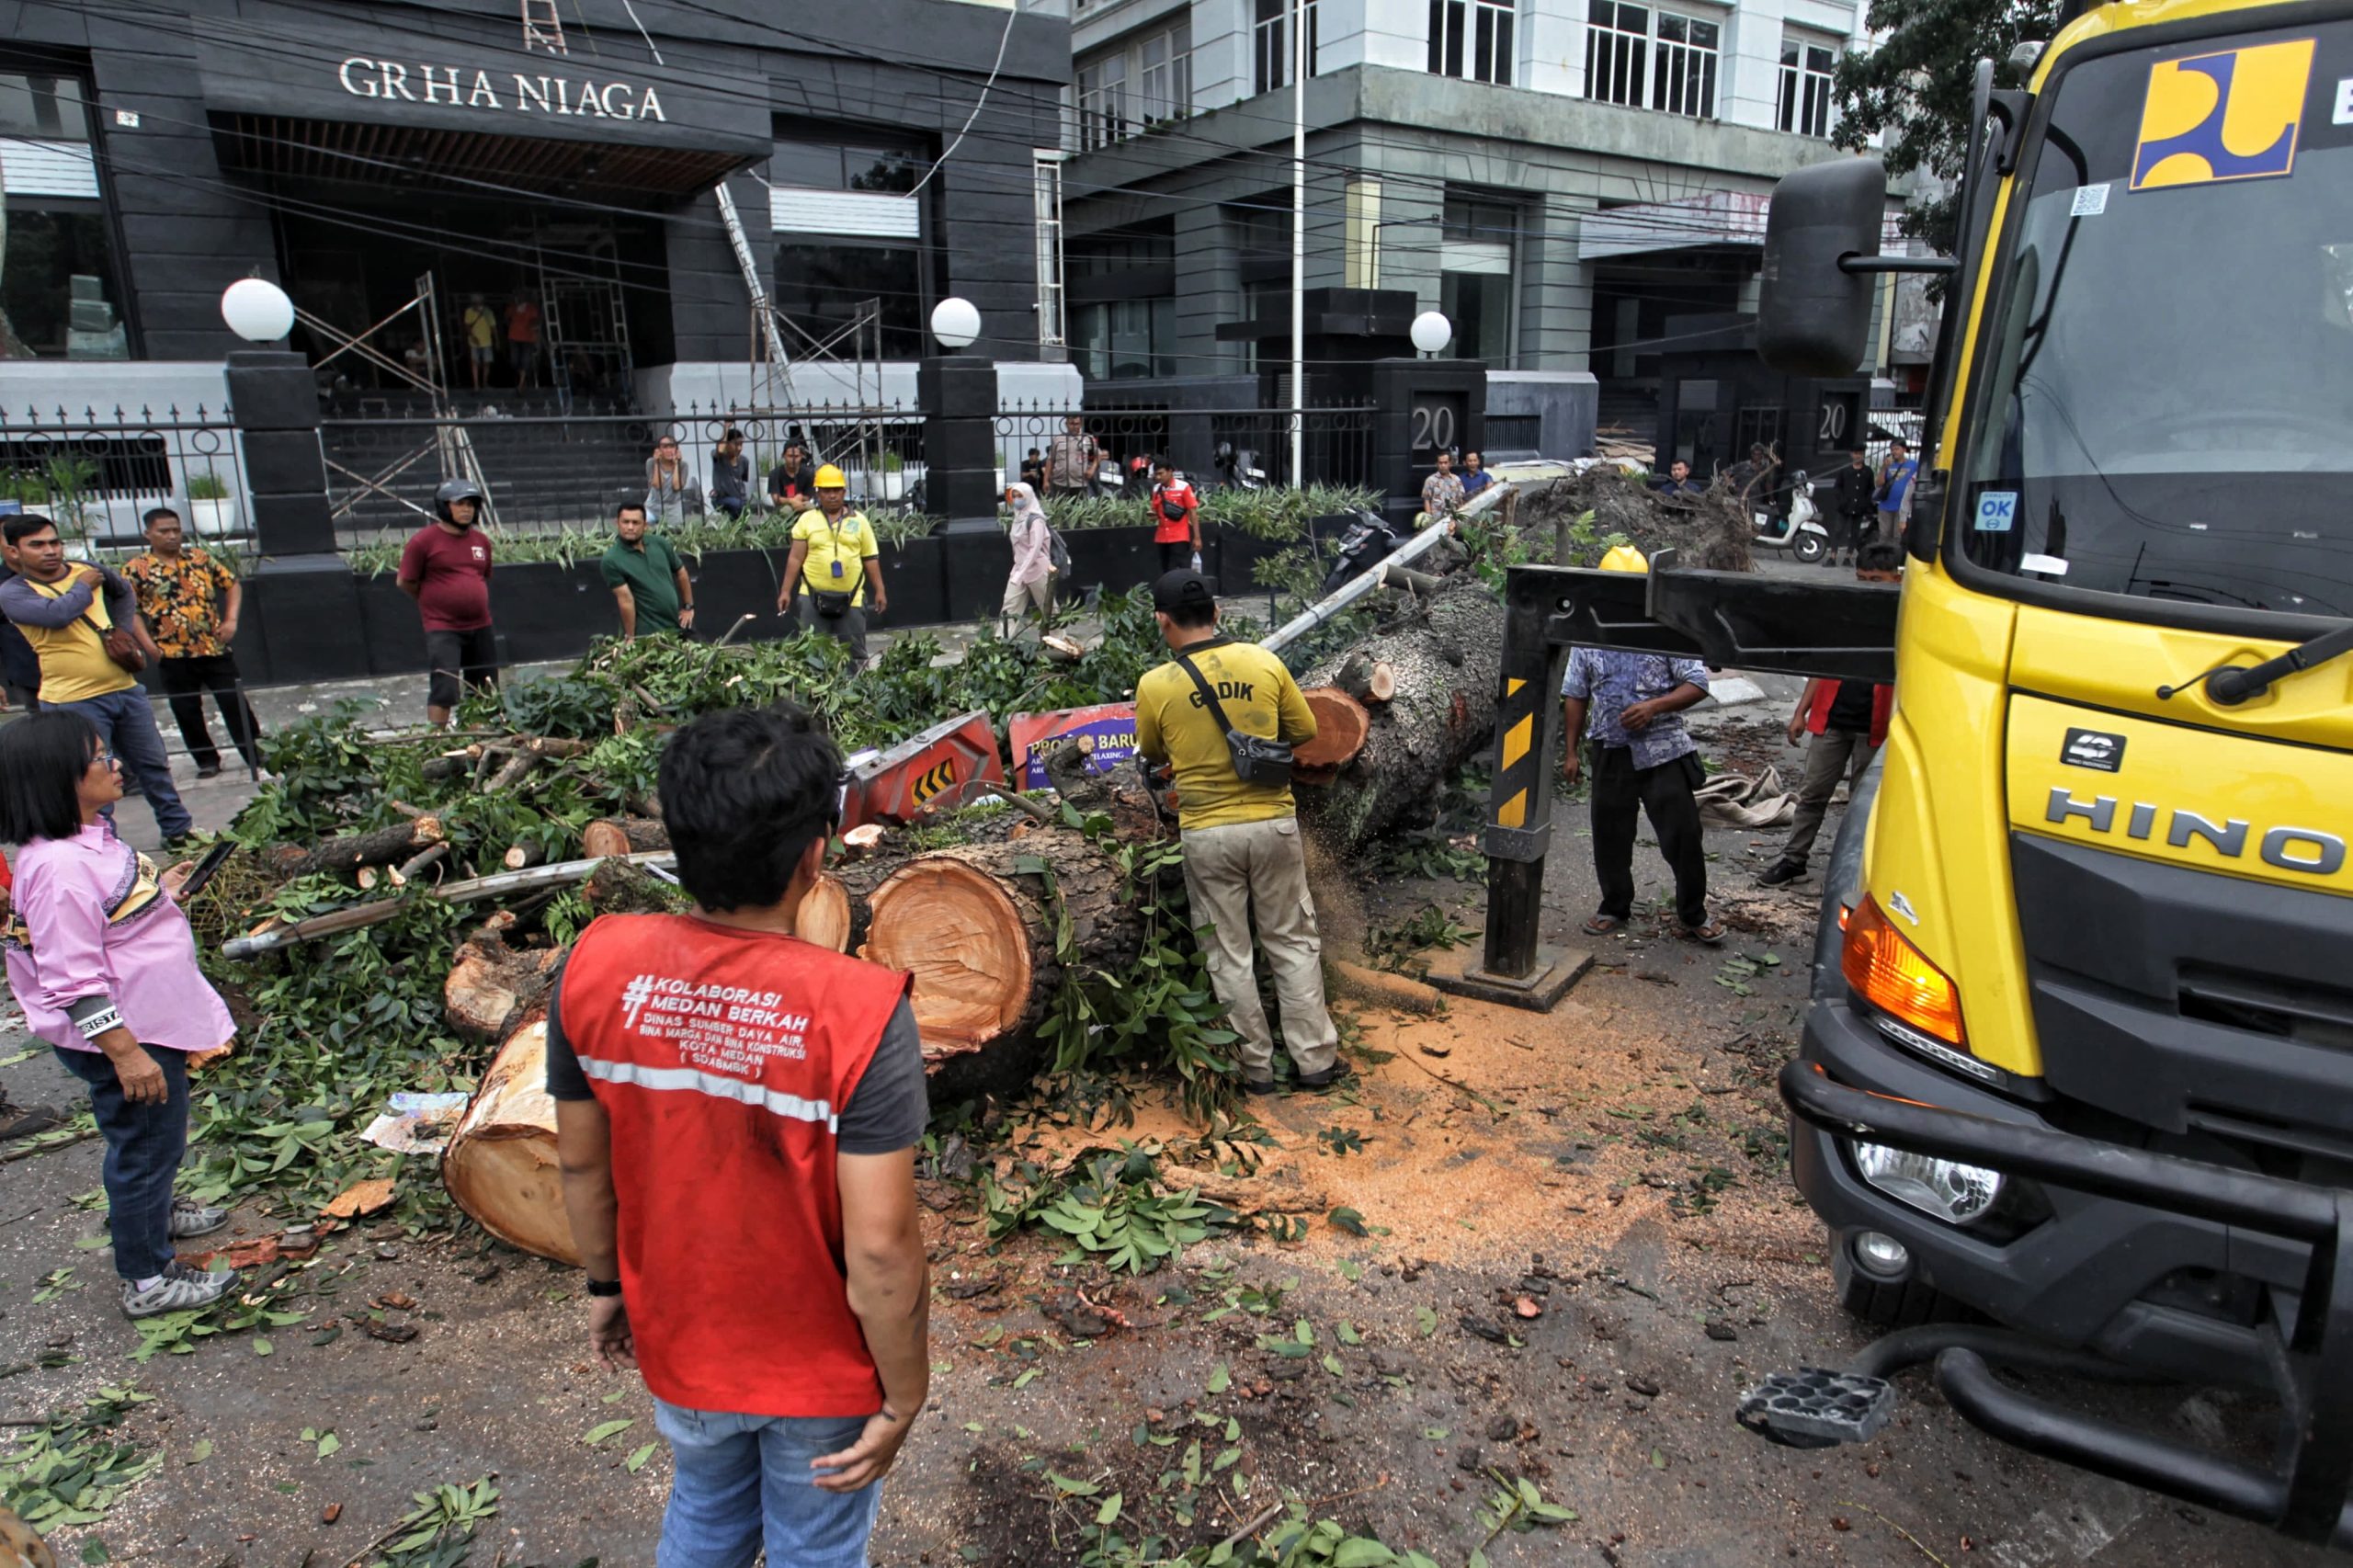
<point x="1997" y="511"/>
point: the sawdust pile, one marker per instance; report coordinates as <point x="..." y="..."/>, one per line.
<point x="1713" y="530"/>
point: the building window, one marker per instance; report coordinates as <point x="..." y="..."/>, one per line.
<point x="1805" y="88"/>
<point x="1272" y="43"/>
<point x="824" y="283"/>
<point x="1472" y="39"/>
<point x="1639" y="57"/>
<point x="1119" y="340"/>
<point x="1475" y="255"/>
<point x="1103" y="101"/>
<point x="1683" y="71"/>
<point x="60" y="290"/>
<point x="1166" y="59"/>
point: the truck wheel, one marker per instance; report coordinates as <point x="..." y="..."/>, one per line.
<point x="1890" y="1304"/>
<point x="1808" y="548"/>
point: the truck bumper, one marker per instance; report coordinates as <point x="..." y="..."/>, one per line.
<point x="2151" y="1287"/>
<point x="2308" y="1343"/>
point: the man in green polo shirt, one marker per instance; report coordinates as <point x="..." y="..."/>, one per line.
<point x="648" y="580"/>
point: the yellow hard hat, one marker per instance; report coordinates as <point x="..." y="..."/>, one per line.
<point x="830" y="478"/>
<point x="1621" y="557"/>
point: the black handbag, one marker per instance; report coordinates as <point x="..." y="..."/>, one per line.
<point x="1255" y="761"/>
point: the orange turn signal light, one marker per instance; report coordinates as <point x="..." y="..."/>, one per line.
<point x="1893" y="975"/>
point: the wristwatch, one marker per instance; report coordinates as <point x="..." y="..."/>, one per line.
<point x="604" y="1286"/>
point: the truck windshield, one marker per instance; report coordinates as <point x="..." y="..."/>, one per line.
<point x="2166" y="404"/>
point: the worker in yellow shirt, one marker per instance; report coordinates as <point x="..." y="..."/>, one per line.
<point x="1243" y="855"/>
<point x="481" y="337"/>
<point x="834" y="558"/>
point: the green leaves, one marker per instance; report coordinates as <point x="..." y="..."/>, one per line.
<point x="636" y="1460"/>
<point x="604" y="1429"/>
<point x="1346" y="1219"/>
<point x="329" y="1445"/>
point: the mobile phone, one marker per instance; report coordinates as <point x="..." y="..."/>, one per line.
<point x="215" y="858"/>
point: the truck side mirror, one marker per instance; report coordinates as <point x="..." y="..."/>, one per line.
<point x="1814" y="319"/>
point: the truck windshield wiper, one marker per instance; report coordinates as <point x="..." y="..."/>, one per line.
<point x="2234" y="684"/>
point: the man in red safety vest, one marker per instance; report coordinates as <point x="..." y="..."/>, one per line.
<point x="736" y="1114"/>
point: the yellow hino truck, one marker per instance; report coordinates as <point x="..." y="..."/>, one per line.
<point x="2076" y="1088"/>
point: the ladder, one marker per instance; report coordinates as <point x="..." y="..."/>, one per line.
<point x="542" y="28"/>
<point x="779" y="363"/>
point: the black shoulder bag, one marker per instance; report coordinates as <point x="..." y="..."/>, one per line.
<point x="1255" y="761"/>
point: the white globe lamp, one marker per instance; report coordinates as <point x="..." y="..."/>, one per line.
<point x="257" y="309"/>
<point x="1431" y="331"/>
<point x="956" y="323"/>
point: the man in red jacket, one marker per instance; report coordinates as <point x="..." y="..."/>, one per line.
<point x="1849" y="722"/>
<point x="736" y="1115"/>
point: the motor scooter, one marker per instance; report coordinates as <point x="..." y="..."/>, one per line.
<point x="1368" y="541"/>
<point x="1238" y="467"/>
<point x="1802" y="532"/>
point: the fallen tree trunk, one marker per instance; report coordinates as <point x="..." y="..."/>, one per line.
<point x="623" y="835"/>
<point x="269" y="939"/>
<point x="978" y="931"/>
<point x="1445" y="655"/>
<point x="501" y="1165"/>
<point x="377" y="846"/>
<point x="1366" y="678"/>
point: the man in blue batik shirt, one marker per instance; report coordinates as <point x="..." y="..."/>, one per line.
<point x="1643" y="756"/>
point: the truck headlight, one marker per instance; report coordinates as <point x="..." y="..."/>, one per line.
<point x="1953" y="1192"/>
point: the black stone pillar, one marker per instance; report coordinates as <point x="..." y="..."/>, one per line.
<point x="306" y="601"/>
<point x="960" y="444"/>
<point x="1420" y="406"/>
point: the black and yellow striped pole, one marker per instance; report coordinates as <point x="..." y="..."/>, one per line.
<point x="1514" y="968"/>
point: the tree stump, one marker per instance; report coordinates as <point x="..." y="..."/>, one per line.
<point x="501" y="1165"/>
<point x="491" y="984"/>
<point x="825" y="917"/>
<point x="976" y="927"/>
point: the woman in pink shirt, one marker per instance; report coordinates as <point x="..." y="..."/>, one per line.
<point x="1031" y="584"/>
<point x="104" y="964"/>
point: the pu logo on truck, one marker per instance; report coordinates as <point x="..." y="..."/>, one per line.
<point x="933" y="779"/>
<point x="2093" y="748"/>
<point x="2229" y="115"/>
<point x="2306" y="849"/>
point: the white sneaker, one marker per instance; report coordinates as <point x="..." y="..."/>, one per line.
<point x="190" y="1218"/>
<point x="180" y="1289"/>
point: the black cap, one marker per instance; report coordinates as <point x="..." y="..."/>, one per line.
<point x="1182" y="589"/>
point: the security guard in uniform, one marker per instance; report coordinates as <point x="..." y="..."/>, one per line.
<point x="835" y="560"/>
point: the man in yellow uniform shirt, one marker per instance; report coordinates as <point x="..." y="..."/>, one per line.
<point x="835" y="556"/>
<point x="1243" y="854"/>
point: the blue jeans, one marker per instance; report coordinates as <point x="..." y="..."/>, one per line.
<point x="741" y="1481"/>
<point x="144" y="1144"/>
<point x="127" y="726"/>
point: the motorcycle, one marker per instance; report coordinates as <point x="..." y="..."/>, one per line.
<point x="1802" y="532"/>
<point x="1239" y="465"/>
<point x="1368" y="541"/>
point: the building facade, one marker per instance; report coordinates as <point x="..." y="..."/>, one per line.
<point x="1563" y="178"/>
<point x="565" y="158"/>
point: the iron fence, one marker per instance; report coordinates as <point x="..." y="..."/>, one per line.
<point x="95" y="472"/>
<point x="1218" y="445"/>
<point x="547" y="472"/>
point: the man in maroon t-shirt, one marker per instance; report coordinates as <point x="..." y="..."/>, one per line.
<point x="445" y="568"/>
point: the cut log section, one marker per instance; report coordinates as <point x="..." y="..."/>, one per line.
<point x="501" y="1165"/>
<point x="521" y="856"/>
<point x="1341" y="724"/>
<point x="1445" y="656"/>
<point x="377" y="846"/>
<point x="1366" y="678"/>
<point x="491" y="984"/>
<point x="825" y="917"/>
<point x="979" y="934"/>
<point x="622" y="835"/>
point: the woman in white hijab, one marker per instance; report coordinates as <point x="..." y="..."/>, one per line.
<point x="1031" y="584"/>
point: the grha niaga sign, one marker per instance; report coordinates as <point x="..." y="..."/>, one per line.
<point x="452" y="85"/>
